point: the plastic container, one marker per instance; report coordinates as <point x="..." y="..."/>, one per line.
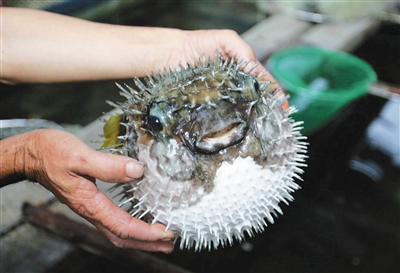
<point x="320" y="82"/>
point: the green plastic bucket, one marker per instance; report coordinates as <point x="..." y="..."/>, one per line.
<point x="320" y="82"/>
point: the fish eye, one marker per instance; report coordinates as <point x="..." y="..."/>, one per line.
<point x="159" y="119"/>
<point x="256" y="85"/>
<point x="155" y="124"/>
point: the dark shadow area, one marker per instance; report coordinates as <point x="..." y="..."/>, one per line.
<point x="342" y="220"/>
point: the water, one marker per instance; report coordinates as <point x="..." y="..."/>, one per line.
<point x="345" y="218"/>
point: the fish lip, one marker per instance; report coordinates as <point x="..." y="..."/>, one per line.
<point x="220" y="138"/>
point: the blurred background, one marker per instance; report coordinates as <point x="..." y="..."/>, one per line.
<point x="346" y="217"/>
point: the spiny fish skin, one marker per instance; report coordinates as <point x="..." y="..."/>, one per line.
<point x="219" y="152"/>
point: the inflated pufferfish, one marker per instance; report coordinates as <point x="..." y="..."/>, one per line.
<point x="219" y="152"/>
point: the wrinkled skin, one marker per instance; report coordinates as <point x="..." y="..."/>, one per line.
<point x="70" y="175"/>
<point x="92" y="51"/>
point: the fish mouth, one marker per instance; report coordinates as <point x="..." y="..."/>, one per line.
<point x="211" y="129"/>
<point x="221" y="137"/>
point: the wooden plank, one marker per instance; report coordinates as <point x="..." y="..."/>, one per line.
<point x="385" y="90"/>
<point x="344" y="36"/>
<point x="276" y="32"/>
<point x="94" y="241"/>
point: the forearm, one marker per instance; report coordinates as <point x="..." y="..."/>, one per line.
<point x="40" y="46"/>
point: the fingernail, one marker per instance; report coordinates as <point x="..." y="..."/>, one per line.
<point x="134" y="170"/>
<point x="168" y="234"/>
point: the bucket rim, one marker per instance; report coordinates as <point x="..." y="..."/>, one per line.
<point x="359" y="88"/>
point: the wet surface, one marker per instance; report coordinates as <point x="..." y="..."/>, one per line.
<point x="345" y="218"/>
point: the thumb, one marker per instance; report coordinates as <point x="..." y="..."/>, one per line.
<point x="109" y="167"/>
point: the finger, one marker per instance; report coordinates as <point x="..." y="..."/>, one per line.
<point x="109" y="167"/>
<point x="100" y="209"/>
<point x="267" y="76"/>
<point x="264" y="73"/>
<point x="282" y="96"/>
<point x="166" y="245"/>
<point x="110" y="220"/>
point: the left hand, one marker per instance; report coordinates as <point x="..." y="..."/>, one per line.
<point x="67" y="167"/>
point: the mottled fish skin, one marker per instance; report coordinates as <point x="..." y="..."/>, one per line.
<point x="219" y="151"/>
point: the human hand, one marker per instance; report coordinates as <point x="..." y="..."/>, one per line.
<point x="181" y="47"/>
<point x="96" y="51"/>
<point x="230" y="44"/>
<point x="66" y="166"/>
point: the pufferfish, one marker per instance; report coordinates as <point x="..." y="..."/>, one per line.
<point x="219" y="152"/>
